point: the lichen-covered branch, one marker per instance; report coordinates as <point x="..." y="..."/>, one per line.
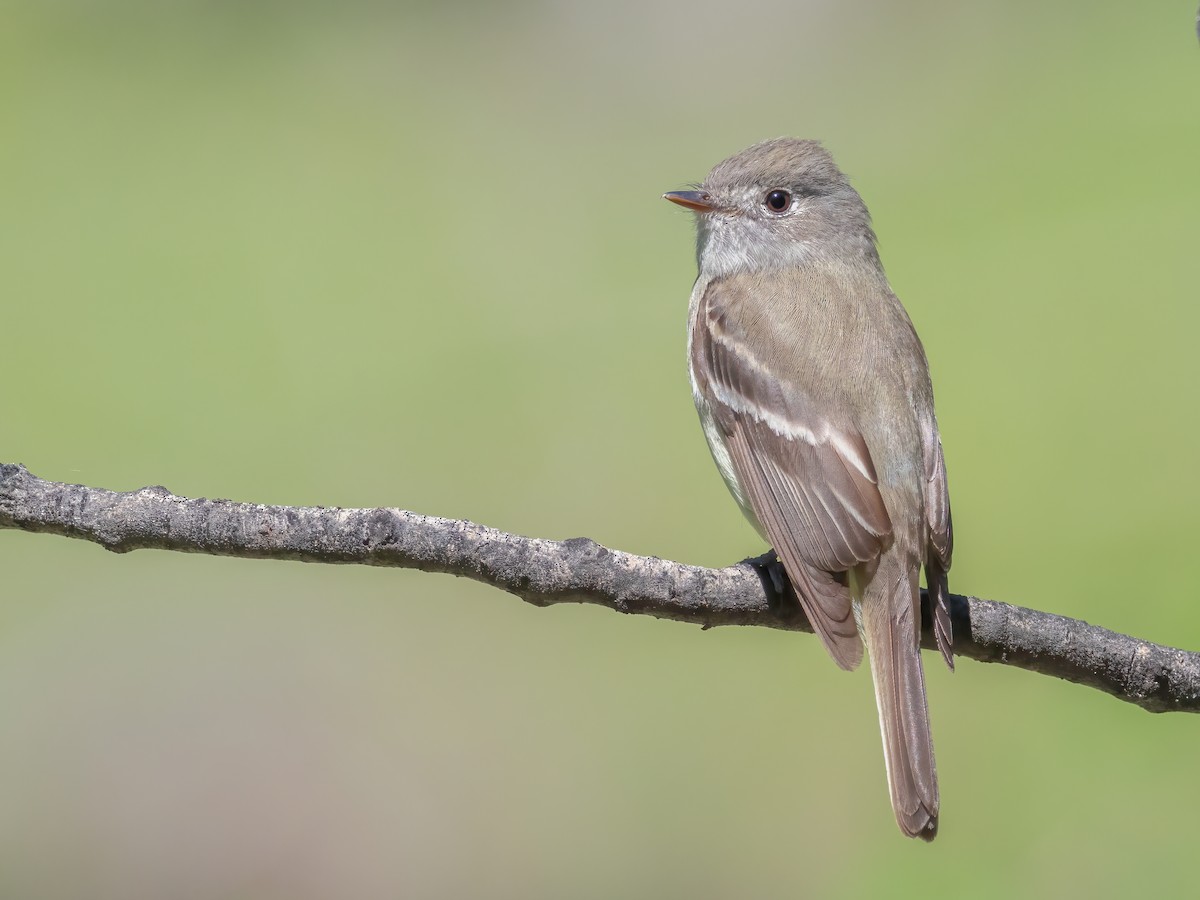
<point x="543" y="572"/>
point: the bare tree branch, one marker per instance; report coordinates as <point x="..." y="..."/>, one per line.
<point x="543" y="572"/>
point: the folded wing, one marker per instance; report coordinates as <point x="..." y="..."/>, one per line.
<point x="809" y="479"/>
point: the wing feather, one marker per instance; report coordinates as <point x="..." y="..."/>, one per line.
<point x="808" y="479"/>
<point x="941" y="542"/>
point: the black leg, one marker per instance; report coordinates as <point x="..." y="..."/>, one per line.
<point x="780" y="596"/>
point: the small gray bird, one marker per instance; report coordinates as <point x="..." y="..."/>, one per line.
<point x="814" y="393"/>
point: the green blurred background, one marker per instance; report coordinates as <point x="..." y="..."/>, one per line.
<point x="414" y="255"/>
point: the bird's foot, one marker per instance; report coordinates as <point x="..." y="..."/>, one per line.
<point x="780" y="596"/>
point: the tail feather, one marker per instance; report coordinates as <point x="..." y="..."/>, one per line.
<point x="890" y="616"/>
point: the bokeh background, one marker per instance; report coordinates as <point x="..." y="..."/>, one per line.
<point x="414" y="254"/>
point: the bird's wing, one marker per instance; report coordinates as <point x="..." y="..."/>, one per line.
<point x="941" y="541"/>
<point x="809" y="479"/>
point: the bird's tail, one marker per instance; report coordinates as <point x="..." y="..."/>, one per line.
<point x="890" y="623"/>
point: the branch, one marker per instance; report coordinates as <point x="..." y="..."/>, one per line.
<point x="544" y="572"/>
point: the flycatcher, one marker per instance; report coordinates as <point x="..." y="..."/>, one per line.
<point x="814" y="394"/>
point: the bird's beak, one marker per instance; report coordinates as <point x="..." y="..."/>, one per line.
<point x="696" y="201"/>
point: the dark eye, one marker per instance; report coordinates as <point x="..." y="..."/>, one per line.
<point x="778" y="201"/>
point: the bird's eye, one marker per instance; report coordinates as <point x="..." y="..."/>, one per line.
<point x="778" y="201"/>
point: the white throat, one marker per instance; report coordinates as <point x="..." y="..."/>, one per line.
<point x="729" y="243"/>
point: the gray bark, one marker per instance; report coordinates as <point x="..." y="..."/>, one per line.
<point x="544" y="572"/>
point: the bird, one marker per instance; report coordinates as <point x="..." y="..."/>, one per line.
<point x="814" y="394"/>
